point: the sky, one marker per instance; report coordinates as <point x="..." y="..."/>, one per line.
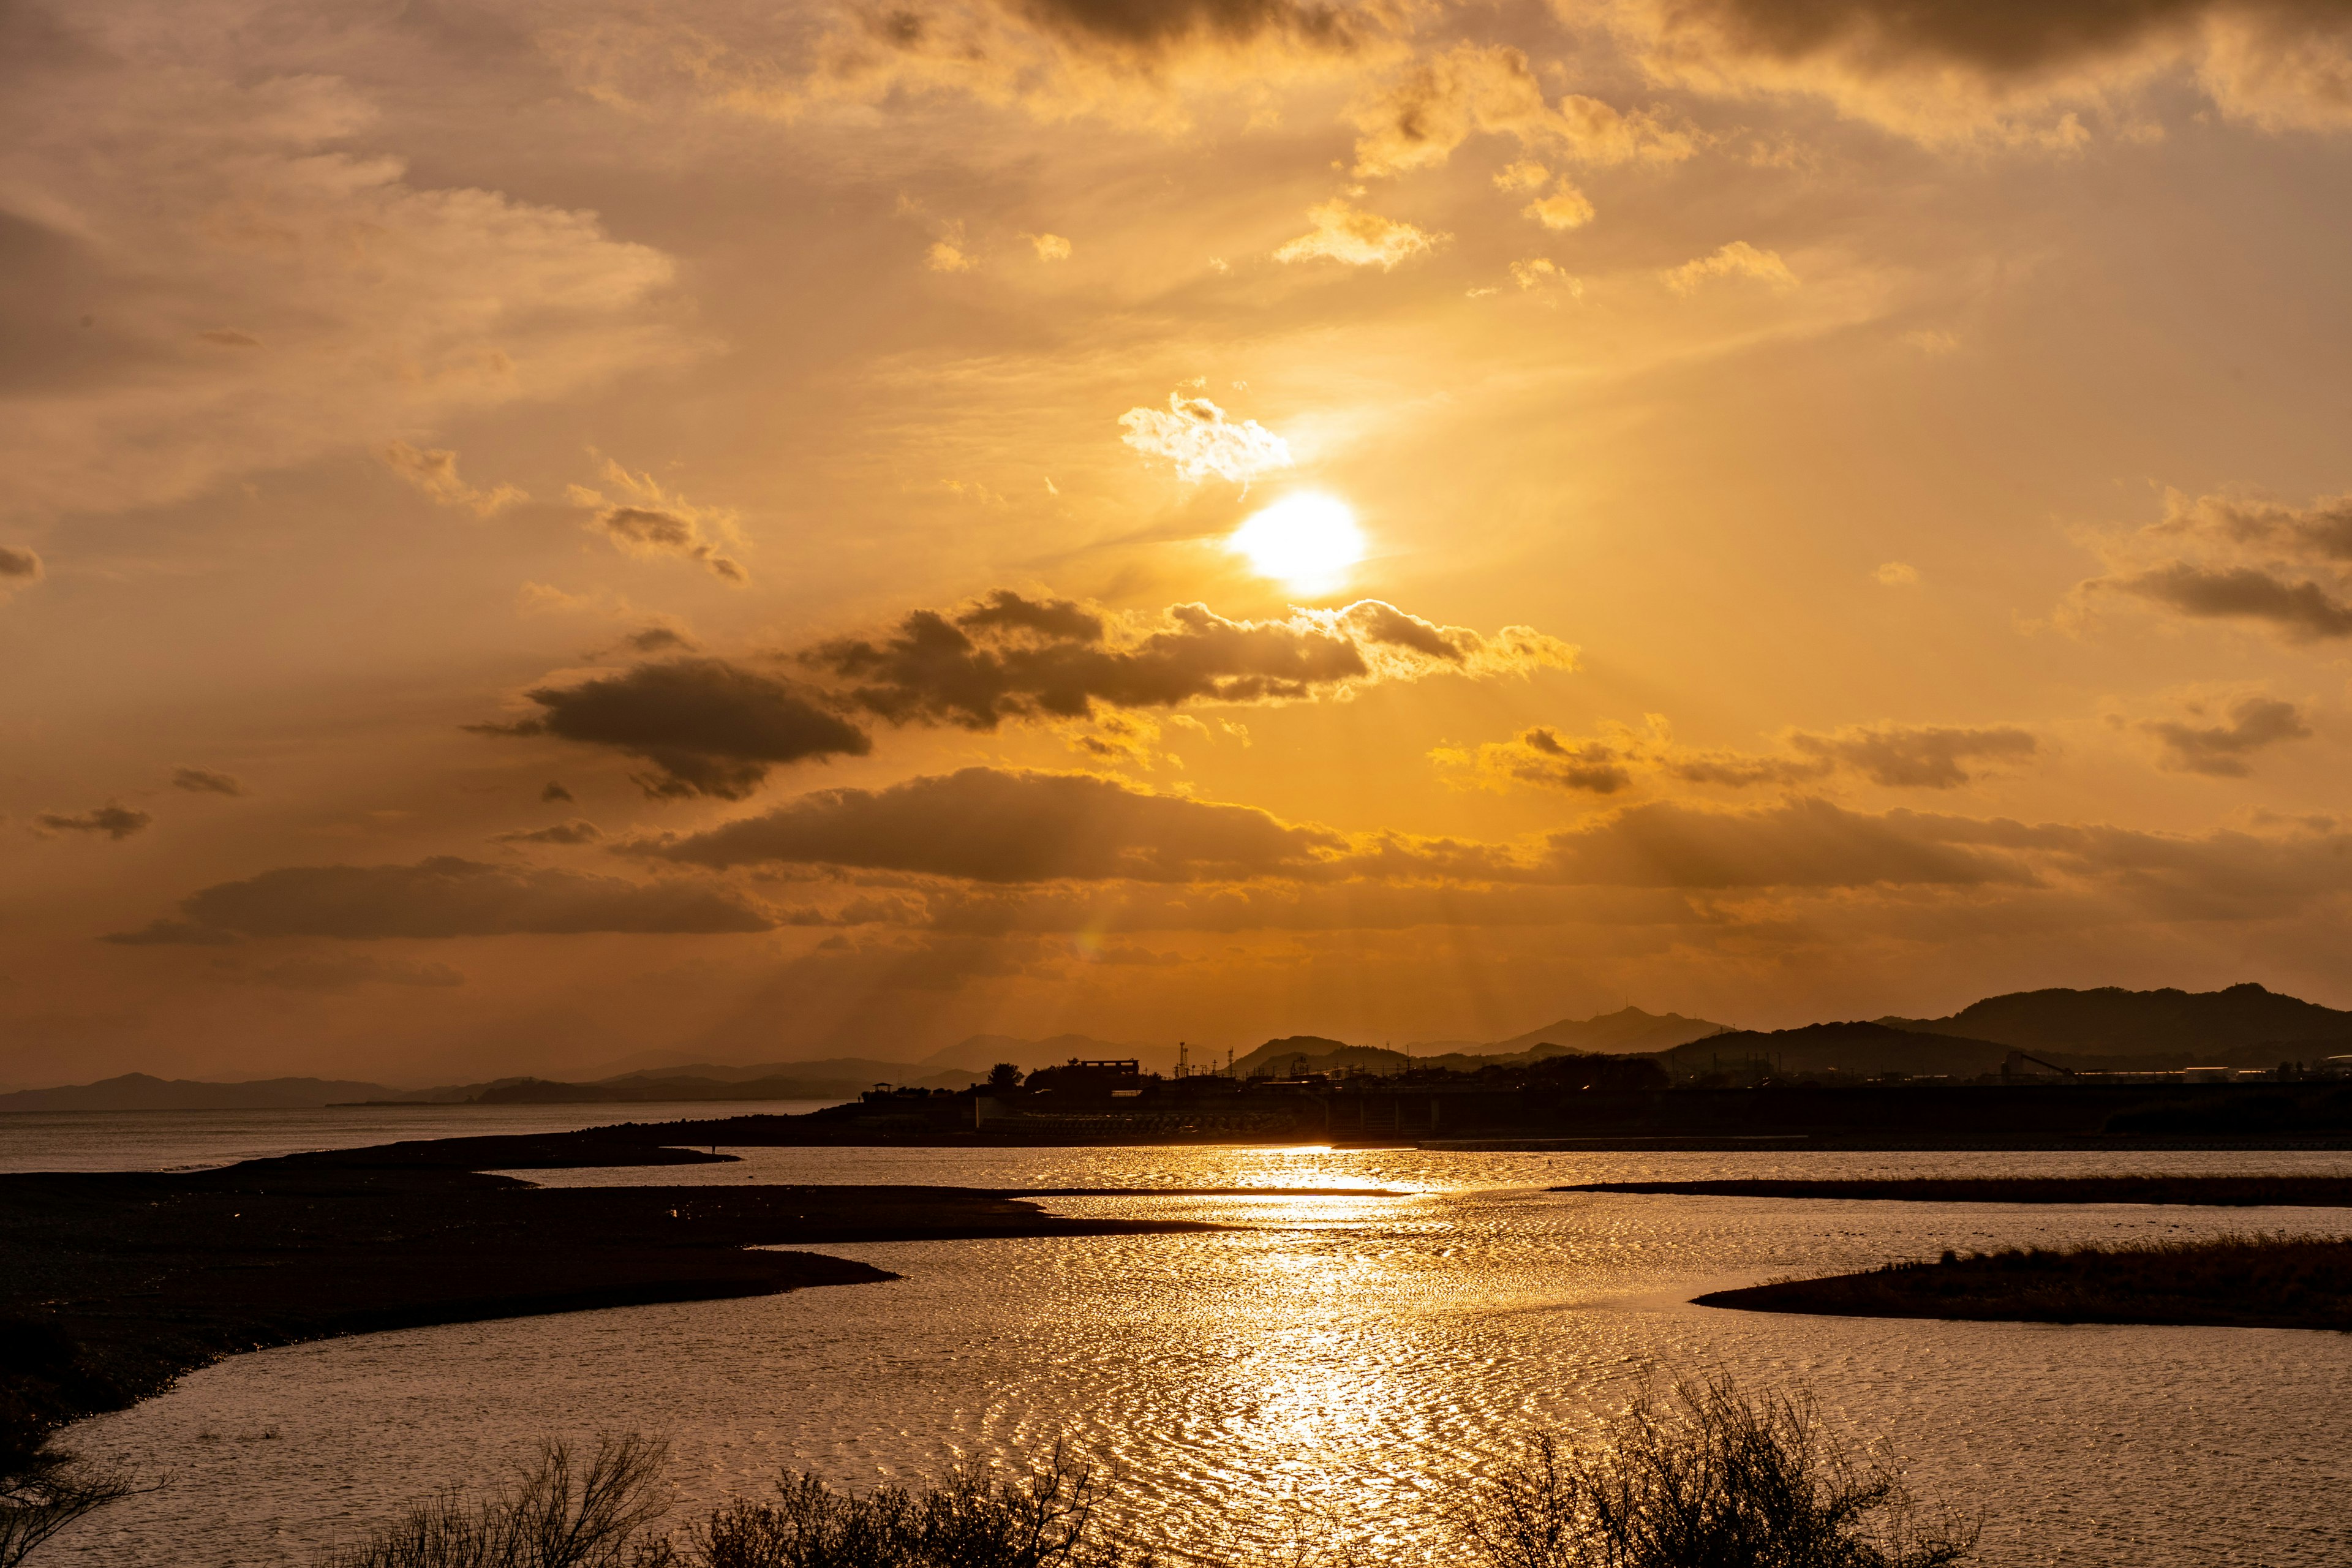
<point x="544" y="534"/>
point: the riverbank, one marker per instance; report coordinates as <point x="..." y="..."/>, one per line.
<point x="2230" y="1192"/>
<point x="2256" y="1282"/>
<point x="114" y="1284"/>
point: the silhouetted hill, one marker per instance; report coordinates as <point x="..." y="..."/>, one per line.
<point x="1865" y="1049"/>
<point x="2111" y="1021"/>
<point x="1626" y="1032"/>
<point x="140" y="1091"/>
<point x="1274" y="1055"/>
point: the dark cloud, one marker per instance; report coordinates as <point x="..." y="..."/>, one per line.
<point x="444" y="897"/>
<point x="1570" y="764"/>
<point x="1009" y="656"/>
<point x="18" y="567"/>
<point x="1795" y="844"/>
<point x="117" y="822"/>
<point x="2299" y="611"/>
<point x="2221" y="750"/>
<point x="577" y="831"/>
<point x="1998" y="36"/>
<point x="708" y="727"/>
<point x="1941" y="69"/>
<point x="658" y="639"/>
<point x="711" y="727"/>
<point x="1135" y="31"/>
<point x="1914" y="757"/>
<point x="643" y="531"/>
<point x="205" y="780"/>
<point x="2219" y="557"/>
<point x="647" y="520"/>
<point x="989" y="826"/>
<point x="555" y="792"/>
<point x="1897" y="756"/>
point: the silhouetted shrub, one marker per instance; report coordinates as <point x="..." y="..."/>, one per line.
<point x="42" y="1491"/>
<point x="557" y="1515"/>
<point x="1713" y="1479"/>
<point x="1045" y="1518"/>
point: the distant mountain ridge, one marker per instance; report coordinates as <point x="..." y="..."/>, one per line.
<point x="143" y="1091"/>
<point x="2111" y="1021"/>
<point x="2107" y="1028"/>
<point x="1869" y="1050"/>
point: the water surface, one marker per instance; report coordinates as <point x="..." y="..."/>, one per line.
<point x="1335" y="1370"/>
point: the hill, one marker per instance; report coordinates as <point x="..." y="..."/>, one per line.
<point x="2111" y="1021"/>
<point x="1628" y="1031"/>
<point x="141" y="1091"/>
<point x="1863" y="1050"/>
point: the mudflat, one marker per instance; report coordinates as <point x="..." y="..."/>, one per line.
<point x="113" y="1284"/>
<point x="2234" y="1192"/>
<point x="2260" y="1282"/>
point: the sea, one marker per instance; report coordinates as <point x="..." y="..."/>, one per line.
<point x="1321" y="1380"/>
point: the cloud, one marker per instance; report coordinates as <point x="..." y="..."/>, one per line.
<point x="1007" y="655"/>
<point x="708" y="727"/>
<point x="18" y="568"/>
<point x="1542" y="272"/>
<point x="1737" y="259"/>
<point x="343" y="971"/>
<point x="1131" y="63"/>
<point x="2220" y="750"/>
<point x="1795" y="844"/>
<point x="440" y="897"/>
<point x="986" y="825"/>
<point x="2219" y="557"/>
<point x="1896" y="574"/>
<point x="555" y="792"/>
<point x="1195" y="434"/>
<point x="647" y="521"/>
<point x="1417" y="119"/>
<point x="186" y="173"/>
<point x="1901" y="756"/>
<point x="658" y="639"/>
<point x="949" y="254"/>
<point x="436" y="473"/>
<point x="1565" y="208"/>
<point x="711" y="727"/>
<point x="1357" y="238"/>
<point x="2011" y="71"/>
<point x="1896" y="756"/>
<point x="117" y="822"/>
<point x="1050" y="246"/>
<point x="205" y="780"/>
<point x="577" y="831"/>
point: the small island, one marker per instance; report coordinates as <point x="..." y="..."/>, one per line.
<point x="2251" y="1282"/>
<point x="2227" y="1192"/>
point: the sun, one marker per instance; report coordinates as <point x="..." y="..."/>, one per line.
<point x="1306" y="540"/>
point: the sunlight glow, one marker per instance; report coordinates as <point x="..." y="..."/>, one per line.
<point x="1306" y="540"/>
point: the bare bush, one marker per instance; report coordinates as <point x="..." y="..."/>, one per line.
<point x="1044" y="1519"/>
<point x="43" y="1492"/>
<point x="1712" y="1478"/>
<point x="557" y="1515"/>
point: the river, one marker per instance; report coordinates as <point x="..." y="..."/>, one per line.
<point x="1330" y="1371"/>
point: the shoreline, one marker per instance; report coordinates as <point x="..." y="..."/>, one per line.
<point x="2223" y="1192"/>
<point x="115" y="1284"/>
